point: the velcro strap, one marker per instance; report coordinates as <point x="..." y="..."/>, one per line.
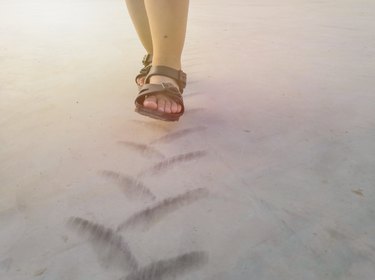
<point x="178" y="75"/>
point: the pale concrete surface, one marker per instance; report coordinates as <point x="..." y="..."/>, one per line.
<point x="280" y="124"/>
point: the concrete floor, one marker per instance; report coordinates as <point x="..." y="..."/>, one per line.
<point x="270" y="174"/>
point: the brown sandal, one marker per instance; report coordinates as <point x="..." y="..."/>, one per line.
<point x="166" y="89"/>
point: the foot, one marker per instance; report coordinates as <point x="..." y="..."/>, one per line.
<point x="141" y="80"/>
<point x="159" y="101"/>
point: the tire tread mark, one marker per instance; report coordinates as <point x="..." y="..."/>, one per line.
<point x="169" y="162"/>
<point x="178" y="134"/>
<point x="131" y="187"/>
<point x="107" y="240"/>
<point x="146" y="218"/>
<point x="170" y="268"/>
<point x="142" y="148"/>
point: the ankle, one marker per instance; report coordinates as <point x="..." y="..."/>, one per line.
<point x="171" y="62"/>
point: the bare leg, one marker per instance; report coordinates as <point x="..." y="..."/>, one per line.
<point x="137" y="12"/>
<point x="167" y="19"/>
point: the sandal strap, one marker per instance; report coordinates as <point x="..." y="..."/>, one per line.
<point x="145" y="70"/>
<point x="178" y="75"/>
<point x="147" y="59"/>
<point x="142" y="73"/>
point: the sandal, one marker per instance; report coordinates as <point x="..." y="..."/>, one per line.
<point x="166" y="89"/>
<point x="146" y="61"/>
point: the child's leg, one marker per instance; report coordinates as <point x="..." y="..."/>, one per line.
<point x="167" y="19"/>
<point x="137" y="12"/>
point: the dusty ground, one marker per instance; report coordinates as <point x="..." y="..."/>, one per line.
<point x="269" y="175"/>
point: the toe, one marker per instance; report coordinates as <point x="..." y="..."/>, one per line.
<point x="161" y="105"/>
<point x="179" y="108"/>
<point x="174" y="107"/>
<point x="168" y="106"/>
<point x="151" y="102"/>
<point x="140" y="80"/>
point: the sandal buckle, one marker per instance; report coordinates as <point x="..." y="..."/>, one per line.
<point x="169" y="87"/>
